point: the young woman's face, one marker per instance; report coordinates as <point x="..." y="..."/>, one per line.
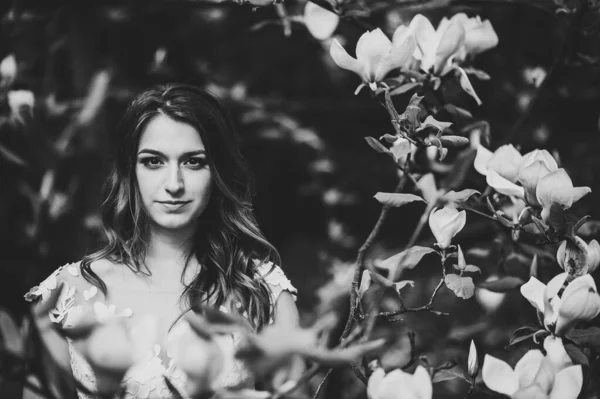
<point x="172" y="173"/>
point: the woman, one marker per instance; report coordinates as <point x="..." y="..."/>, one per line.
<point x="180" y="231"/>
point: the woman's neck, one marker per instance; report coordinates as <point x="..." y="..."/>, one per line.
<point x="168" y="247"/>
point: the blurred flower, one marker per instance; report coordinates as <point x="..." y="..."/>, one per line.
<point x="376" y="55"/>
<point x="557" y="188"/>
<point x="401" y="149"/>
<point x="534" y="75"/>
<point x="489" y="300"/>
<point x="579" y="302"/>
<point x="533" y="167"/>
<point x="398" y="384"/>
<point x="19" y="101"/>
<point x="479" y="36"/>
<point x="535" y="375"/>
<point x="500" y="168"/>
<point x="445" y="223"/>
<point x="578" y="258"/>
<point x="202" y="359"/>
<point x="8" y="70"/>
<point x="473" y="363"/>
<point x="320" y="22"/>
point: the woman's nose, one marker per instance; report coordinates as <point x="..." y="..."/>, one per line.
<point x="174" y="184"/>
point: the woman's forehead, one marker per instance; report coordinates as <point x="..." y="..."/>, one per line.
<point x="170" y="136"/>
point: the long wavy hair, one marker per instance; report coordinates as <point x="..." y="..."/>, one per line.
<point x="228" y="243"/>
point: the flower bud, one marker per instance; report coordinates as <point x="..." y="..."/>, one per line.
<point x="473" y="363"/>
<point x="593" y="256"/>
<point x="401" y="149"/>
<point x="8" y="69"/>
<point x="19" y="101"/>
<point x="445" y="223"/>
<point x="573" y="257"/>
<point x="462" y="263"/>
<point x="579" y="302"/>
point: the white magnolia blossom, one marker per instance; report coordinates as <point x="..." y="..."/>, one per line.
<point x="579" y="258"/>
<point x="534" y="166"/>
<point x="398" y="384"/>
<point x="556" y="188"/>
<point x="320" y="22"/>
<point x="500" y="168"/>
<point x="19" y="101"/>
<point x="579" y="301"/>
<point x="535" y="376"/>
<point x="445" y="223"/>
<point x="8" y="70"/>
<point x="376" y="55"/>
<point x="473" y="362"/>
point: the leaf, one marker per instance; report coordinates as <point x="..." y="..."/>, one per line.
<point x="463" y="287"/>
<point x="427" y="186"/>
<point x="472" y="269"/>
<point x="503" y="284"/>
<point x="460" y="169"/>
<point x="458" y="111"/>
<point x="397" y="199"/>
<point x="557" y="218"/>
<point x="465" y="83"/>
<point x="478" y="73"/>
<point x="586" y="337"/>
<point x="459" y="198"/>
<point x="576" y="354"/>
<point x="454" y="141"/>
<point x="11" y="156"/>
<point x="401" y="284"/>
<point x="377" y="146"/>
<point x="404" y="88"/>
<point x="410" y="258"/>
<point x="523" y="333"/>
<point x="445" y="375"/>
<point x="439" y="125"/>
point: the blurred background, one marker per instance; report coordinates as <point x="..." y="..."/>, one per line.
<point x="78" y="64"/>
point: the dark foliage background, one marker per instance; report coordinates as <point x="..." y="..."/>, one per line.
<point x="301" y="127"/>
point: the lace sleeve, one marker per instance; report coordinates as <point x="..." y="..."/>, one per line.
<point x="276" y="280"/>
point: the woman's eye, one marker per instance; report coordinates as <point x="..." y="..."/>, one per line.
<point x="196" y="163"/>
<point x="151" y="162"/>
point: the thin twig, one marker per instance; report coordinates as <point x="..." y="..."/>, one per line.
<point x="322" y="383"/>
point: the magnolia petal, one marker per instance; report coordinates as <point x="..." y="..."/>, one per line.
<point x="503" y="186"/>
<point x="561" y="254"/>
<point x="556" y="353"/>
<point x="446" y="223"/>
<point x="579" y="302"/>
<point x="593" y="258"/>
<point x="506" y="161"/>
<point x="371" y="48"/>
<point x="482" y="159"/>
<point x="567" y="383"/>
<point x="343" y="59"/>
<point x="528" y="366"/>
<point x="579" y="192"/>
<point x="533" y="291"/>
<point x="555" y="187"/>
<point x="531" y="392"/>
<point x="529" y="177"/>
<point x="539" y="155"/>
<point x="426" y="39"/>
<point x="466" y="85"/>
<point x="375" y="382"/>
<point x="481" y="38"/>
<point x="499" y="376"/>
<point x="422" y="383"/>
<point x="320" y="22"/>
<point x="395" y="380"/>
<point x="551" y="300"/>
<point x="451" y="40"/>
<point x="400" y="53"/>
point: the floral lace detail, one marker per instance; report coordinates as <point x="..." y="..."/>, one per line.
<point x="276" y="279"/>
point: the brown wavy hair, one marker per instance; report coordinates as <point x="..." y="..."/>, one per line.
<point x="227" y="242"/>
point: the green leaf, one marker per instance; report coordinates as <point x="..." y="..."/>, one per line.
<point x="523" y="333"/>
<point x="465" y="83"/>
<point x="472" y="269"/>
<point x="397" y="199"/>
<point x="445" y="375"/>
<point x="459" y="198"/>
<point x="439" y="125"/>
<point x="454" y="141"/>
<point x="404" y="88"/>
<point x="478" y="73"/>
<point x="503" y="284"/>
<point x="458" y="111"/>
<point x="576" y="354"/>
<point x="463" y="287"/>
<point x="376" y="145"/>
<point x="410" y="258"/>
<point x="586" y="337"/>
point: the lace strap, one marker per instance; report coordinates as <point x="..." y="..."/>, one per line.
<point x="276" y="280"/>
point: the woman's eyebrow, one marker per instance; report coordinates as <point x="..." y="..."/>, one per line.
<point x="158" y="153"/>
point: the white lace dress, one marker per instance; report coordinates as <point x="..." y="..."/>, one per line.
<point x="145" y="380"/>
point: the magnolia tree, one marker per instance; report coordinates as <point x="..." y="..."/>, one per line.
<point x="434" y="145"/>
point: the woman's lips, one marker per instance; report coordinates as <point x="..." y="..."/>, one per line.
<point x="173" y="205"/>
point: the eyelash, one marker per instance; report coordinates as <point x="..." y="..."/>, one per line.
<point x="201" y="162"/>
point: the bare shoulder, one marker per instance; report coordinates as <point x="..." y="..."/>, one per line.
<point x="105" y="268"/>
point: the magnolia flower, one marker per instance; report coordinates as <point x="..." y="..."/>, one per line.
<point x="8" y="70"/>
<point x="473" y="363"/>
<point x="535" y="375"/>
<point x="400" y="385"/>
<point x="401" y="148"/>
<point x="479" y="36"/>
<point x="500" y="168"/>
<point x="205" y="361"/>
<point x="580" y="258"/>
<point x="557" y="188"/>
<point x="320" y="22"/>
<point x="376" y="55"/>
<point x="489" y="300"/>
<point x="534" y="166"/>
<point x="579" y="302"/>
<point x="19" y="100"/>
<point x="445" y="223"/>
